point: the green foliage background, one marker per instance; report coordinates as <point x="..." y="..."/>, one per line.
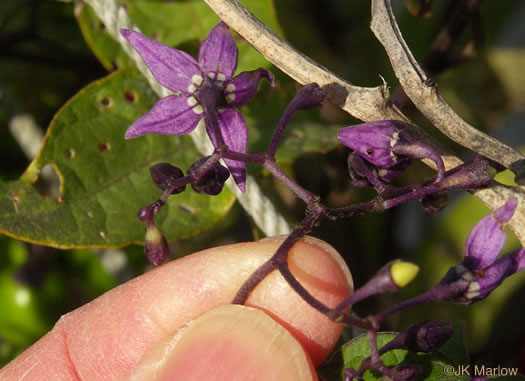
<point x="82" y="92"/>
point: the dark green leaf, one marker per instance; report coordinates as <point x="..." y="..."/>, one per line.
<point x="105" y="48"/>
<point x="104" y="178"/>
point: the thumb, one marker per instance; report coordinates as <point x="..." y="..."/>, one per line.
<point x="231" y="342"/>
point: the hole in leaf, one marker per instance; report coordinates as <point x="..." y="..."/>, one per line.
<point x="131" y="96"/>
<point x="71" y="153"/>
<point x="106" y="103"/>
<point x="89" y="213"/>
<point x="48" y="183"/>
<point x="102" y="235"/>
<point x="187" y="209"/>
<point x="104" y="146"/>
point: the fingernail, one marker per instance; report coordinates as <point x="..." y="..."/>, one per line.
<point x="320" y="244"/>
<point x="231" y="342"/>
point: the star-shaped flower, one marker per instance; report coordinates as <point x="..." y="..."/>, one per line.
<point x="205" y="92"/>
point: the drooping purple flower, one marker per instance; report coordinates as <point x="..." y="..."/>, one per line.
<point x="480" y="272"/>
<point x="485" y="281"/>
<point x="384" y="145"/>
<point x="373" y="141"/>
<point x="486" y="239"/>
<point x="205" y="92"/>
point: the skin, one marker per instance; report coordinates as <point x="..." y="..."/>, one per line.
<point x="131" y="331"/>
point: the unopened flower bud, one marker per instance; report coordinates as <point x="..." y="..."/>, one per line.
<point x="155" y="244"/>
<point x="391" y="277"/>
<point x="308" y="97"/>
<point x="164" y="174"/>
<point x="423" y="337"/>
<point x="213" y="181"/>
<point x="409" y="371"/>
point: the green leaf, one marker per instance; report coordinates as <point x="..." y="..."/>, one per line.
<point x="105" y="48"/>
<point x="104" y="178"/>
<point x="455" y="348"/>
<point x="434" y="364"/>
<point x="182" y="24"/>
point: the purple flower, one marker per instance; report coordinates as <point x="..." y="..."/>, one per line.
<point x="481" y="272"/>
<point x="373" y="141"/>
<point x="205" y="92"/>
<point x="483" y="282"/>
<point x="486" y="240"/>
<point x="384" y="145"/>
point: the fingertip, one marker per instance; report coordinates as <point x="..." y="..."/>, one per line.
<point x="321" y="270"/>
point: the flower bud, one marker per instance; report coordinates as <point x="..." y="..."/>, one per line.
<point x="391" y="277"/>
<point x="213" y="181"/>
<point x="163" y="175"/>
<point x="308" y="97"/>
<point x="423" y="337"/>
<point x="155" y="244"/>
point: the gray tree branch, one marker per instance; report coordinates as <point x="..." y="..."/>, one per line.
<point x="369" y="104"/>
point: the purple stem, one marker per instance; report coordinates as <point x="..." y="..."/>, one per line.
<point x="279" y="261"/>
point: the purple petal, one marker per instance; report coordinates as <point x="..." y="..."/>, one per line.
<point x="518" y="258"/>
<point x="242" y="88"/>
<point x="486" y="240"/>
<point x="218" y="53"/>
<point x="173" y="68"/>
<point x="491" y="277"/>
<point x="170" y="116"/>
<point x="373" y="141"/>
<point x="235" y="135"/>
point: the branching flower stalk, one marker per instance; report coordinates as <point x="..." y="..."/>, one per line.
<point x="380" y="151"/>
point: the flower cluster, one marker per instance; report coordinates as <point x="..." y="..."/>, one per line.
<point x="205" y="91"/>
